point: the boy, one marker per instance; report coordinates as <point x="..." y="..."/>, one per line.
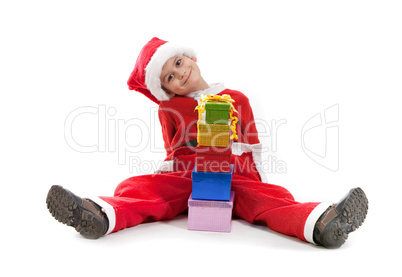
<point x="169" y="75"/>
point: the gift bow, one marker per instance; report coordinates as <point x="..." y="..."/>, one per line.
<point x="222" y="98"/>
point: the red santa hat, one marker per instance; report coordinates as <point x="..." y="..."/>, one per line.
<point x="145" y="78"/>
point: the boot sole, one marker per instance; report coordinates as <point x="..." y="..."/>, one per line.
<point x="66" y="209"/>
<point x="351" y="216"/>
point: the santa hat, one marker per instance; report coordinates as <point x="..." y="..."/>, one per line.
<point x="145" y="78"/>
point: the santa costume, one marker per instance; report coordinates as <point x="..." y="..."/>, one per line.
<point x="165" y="194"/>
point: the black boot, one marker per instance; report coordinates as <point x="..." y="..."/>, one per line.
<point x="83" y="214"/>
<point x="334" y="225"/>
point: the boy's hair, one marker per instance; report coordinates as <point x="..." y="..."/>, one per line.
<point x="145" y="78"/>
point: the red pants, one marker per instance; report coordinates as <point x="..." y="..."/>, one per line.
<point x="163" y="196"/>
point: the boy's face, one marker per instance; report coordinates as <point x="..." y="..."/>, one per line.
<point x="181" y="75"/>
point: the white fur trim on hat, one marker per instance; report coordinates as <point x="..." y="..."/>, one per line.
<point x="158" y="60"/>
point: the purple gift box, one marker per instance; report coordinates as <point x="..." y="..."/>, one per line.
<point x="210" y="215"/>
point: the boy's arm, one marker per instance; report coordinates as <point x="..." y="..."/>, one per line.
<point x="168" y="127"/>
<point x="246" y="122"/>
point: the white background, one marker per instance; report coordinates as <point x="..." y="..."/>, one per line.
<point x="293" y="59"/>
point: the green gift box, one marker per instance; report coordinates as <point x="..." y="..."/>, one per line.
<point x="217" y="112"/>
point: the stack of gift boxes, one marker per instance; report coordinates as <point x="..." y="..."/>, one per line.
<point x="211" y="201"/>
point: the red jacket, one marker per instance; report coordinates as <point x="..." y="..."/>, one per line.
<point x="178" y="119"/>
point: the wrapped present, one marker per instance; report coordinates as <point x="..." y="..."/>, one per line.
<point x="213" y="134"/>
<point x="217" y="112"/>
<point x="211" y="185"/>
<point x="213" y="159"/>
<point x="218" y="109"/>
<point x="213" y="216"/>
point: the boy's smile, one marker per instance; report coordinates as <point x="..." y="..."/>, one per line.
<point x="188" y="77"/>
<point x="181" y="75"/>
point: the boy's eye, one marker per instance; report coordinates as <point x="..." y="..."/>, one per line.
<point x="178" y="62"/>
<point x="170" y="77"/>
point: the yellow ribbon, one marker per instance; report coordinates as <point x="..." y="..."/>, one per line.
<point x="221" y="98"/>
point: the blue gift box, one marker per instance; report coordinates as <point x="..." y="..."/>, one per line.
<point x="211" y="185"/>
